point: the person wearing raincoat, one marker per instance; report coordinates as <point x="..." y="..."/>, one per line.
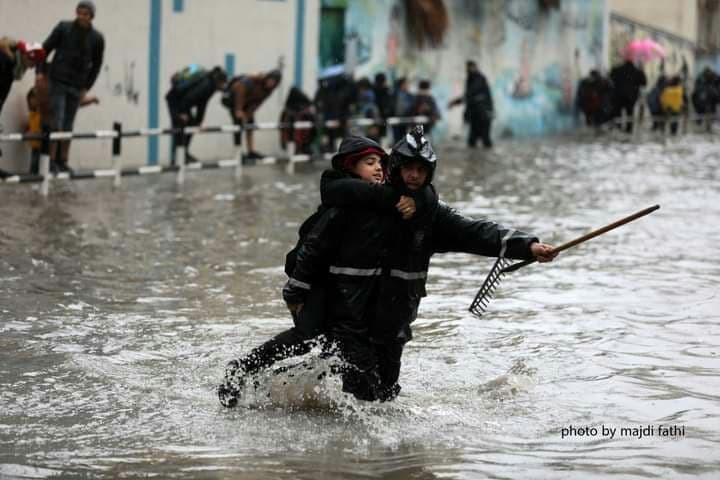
<point x="478" y="106"/>
<point x="706" y="94"/>
<point x="627" y="80"/>
<point x="372" y="267"/>
<point x="340" y="187"/>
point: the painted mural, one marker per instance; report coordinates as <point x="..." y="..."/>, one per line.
<point x="680" y="55"/>
<point x="533" y="56"/>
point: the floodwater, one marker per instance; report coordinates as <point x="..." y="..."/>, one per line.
<point x="120" y="308"/>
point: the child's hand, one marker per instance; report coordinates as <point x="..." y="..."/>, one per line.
<point x="406" y="207"/>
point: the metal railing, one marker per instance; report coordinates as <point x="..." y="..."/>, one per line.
<point x="117" y="134"/>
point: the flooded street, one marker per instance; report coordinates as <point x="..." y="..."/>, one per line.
<point x="120" y="309"/>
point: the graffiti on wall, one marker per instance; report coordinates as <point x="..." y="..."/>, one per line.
<point x="533" y="56"/>
<point x="124" y="86"/>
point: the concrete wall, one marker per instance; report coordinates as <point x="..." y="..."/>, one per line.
<point x="258" y="33"/>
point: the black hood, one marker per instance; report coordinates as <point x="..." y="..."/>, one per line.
<point x="353" y="144"/>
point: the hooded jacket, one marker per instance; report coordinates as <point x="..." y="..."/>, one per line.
<point x="375" y="264"/>
<point x="627" y="80"/>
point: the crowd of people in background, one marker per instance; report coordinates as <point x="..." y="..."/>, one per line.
<point x="605" y="100"/>
<point x="339" y="98"/>
<point x="62" y="86"/>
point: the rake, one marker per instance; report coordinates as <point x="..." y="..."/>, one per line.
<point x="502" y="265"/>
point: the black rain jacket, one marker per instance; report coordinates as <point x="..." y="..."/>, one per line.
<point x="78" y="54"/>
<point x="375" y="265"/>
<point x="196" y="96"/>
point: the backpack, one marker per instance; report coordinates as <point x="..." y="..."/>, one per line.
<point x="182" y="79"/>
<point x="307" y="225"/>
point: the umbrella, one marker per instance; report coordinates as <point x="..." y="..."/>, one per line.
<point x="642" y="50"/>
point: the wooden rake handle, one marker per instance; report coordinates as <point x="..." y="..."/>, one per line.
<point x="587" y="236"/>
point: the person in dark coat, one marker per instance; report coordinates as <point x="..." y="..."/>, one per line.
<point x="654" y="105"/>
<point x="706" y="94"/>
<point x="334" y="99"/>
<point x="298" y="107"/>
<point x="404" y="102"/>
<point x="425" y="105"/>
<point x="187" y="102"/>
<point x="243" y="96"/>
<point x="594" y="98"/>
<point x="366" y="109"/>
<point x="627" y="79"/>
<point x="383" y="99"/>
<point x="374" y="269"/>
<point x="338" y="188"/>
<point x="79" y="50"/>
<point x="478" y="106"/>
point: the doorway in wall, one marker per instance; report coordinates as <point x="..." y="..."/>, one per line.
<point x="332" y="33"/>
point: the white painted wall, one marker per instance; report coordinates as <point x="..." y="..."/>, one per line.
<point x="258" y="32"/>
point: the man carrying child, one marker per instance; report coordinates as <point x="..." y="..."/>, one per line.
<point x="371" y="264"/>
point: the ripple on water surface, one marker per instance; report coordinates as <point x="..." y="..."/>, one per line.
<point x="120" y="309"/>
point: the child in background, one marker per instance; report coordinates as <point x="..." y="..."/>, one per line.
<point x="34" y="125"/>
<point x="672" y="101"/>
<point x="35" y="96"/>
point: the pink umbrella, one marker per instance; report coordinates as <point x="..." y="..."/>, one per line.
<point x="642" y="50"/>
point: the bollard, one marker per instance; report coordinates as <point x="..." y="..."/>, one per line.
<point x="635" y="121"/>
<point x="116" y="154"/>
<point x="180" y="180"/>
<point x="45" y="172"/>
<point x="237" y="140"/>
<point x="290" y="169"/>
<point x="45" y="162"/>
<point x="181" y="158"/>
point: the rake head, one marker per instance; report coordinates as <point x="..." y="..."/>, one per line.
<point x="487" y="290"/>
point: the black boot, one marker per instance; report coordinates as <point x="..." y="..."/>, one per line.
<point x="229" y="391"/>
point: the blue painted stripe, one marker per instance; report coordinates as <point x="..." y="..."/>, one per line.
<point x="299" y="42"/>
<point x="154" y="78"/>
<point x="178" y="6"/>
<point x="230" y="64"/>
